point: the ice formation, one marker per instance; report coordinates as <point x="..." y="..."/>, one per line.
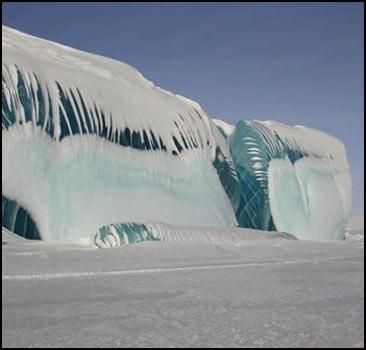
<point x="116" y="235"/>
<point x="294" y="179"/>
<point x="88" y="142"/>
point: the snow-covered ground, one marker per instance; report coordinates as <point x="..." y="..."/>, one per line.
<point x="267" y="293"/>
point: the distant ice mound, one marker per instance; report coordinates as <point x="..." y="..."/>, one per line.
<point x="116" y="235"/>
<point x="87" y="141"/>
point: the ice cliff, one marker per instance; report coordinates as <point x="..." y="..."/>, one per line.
<point x="88" y="142"/>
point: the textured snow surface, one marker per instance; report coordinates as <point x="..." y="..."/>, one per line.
<point x="269" y="293"/>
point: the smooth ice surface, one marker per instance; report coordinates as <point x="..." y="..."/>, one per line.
<point x="300" y="197"/>
<point x="92" y="183"/>
<point x="269" y="293"/>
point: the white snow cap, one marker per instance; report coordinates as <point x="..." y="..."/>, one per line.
<point x="226" y="127"/>
<point x="114" y="87"/>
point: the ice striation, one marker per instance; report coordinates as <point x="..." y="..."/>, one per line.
<point x="116" y="235"/>
<point x="88" y="142"/>
<point x="294" y="179"/>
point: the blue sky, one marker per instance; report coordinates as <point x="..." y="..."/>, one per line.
<point x="295" y="63"/>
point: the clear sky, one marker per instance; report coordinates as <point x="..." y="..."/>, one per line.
<point x="295" y="63"/>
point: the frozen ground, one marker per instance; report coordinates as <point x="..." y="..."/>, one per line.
<point x="271" y="293"/>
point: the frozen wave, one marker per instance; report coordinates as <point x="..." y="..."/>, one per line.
<point x="88" y="142"/>
<point x="116" y="235"/>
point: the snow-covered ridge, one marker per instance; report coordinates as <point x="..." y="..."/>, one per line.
<point x="61" y="105"/>
<point x="21" y="44"/>
<point x="226" y="128"/>
<point x="311" y="140"/>
<point x="98" y="88"/>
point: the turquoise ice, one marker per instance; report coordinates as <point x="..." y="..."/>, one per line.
<point x="88" y="142"/>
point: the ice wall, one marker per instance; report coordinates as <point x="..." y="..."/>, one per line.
<point x="294" y="179"/>
<point x="87" y="141"/>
